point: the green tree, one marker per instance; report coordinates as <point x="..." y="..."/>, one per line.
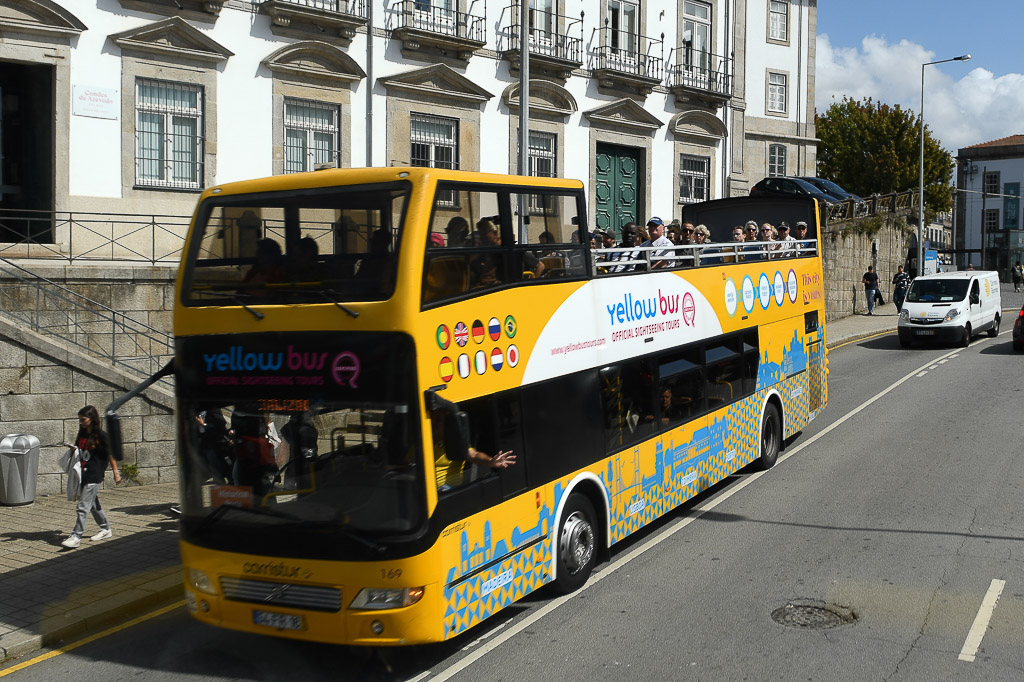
<point x="869" y="147"/>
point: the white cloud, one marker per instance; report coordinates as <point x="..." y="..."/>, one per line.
<point x="976" y="108"/>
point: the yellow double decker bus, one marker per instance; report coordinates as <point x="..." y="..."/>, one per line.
<point x="354" y="348"/>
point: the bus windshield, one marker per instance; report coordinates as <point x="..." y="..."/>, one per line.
<point x="937" y="290"/>
<point x="301" y="432"/>
<point x="336" y="244"/>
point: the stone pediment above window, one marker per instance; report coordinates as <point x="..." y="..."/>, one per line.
<point x="546" y="99"/>
<point x="313" y="60"/>
<point x="173" y="39"/>
<point x="319" y="19"/>
<point x="37" y="17"/>
<point x="436" y="82"/>
<point x="197" y="10"/>
<point x="624" y="113"/>
<point x="699" y="125"/>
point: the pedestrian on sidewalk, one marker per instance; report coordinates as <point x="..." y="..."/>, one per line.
<point x="900" y="284"/>
<point x="93" y="444"/>
<point x="1017" y="276"/>
<point x="870" y="280"/>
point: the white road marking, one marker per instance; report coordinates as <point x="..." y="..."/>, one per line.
<point x="921" y="374"/>
<point x="664" y="535"/>
<point x="988" y="605"/>
<point x="935" y="366"/>
<point x="942" y="362"/>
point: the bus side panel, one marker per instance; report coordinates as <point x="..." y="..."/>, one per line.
<point x="654" y="477"/>
<point x="489" y="561"/>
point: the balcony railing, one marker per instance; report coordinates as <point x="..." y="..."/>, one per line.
<point x="548" y="35"/>
<point x="630" y="54"/>
<point x="423" y="16"/>
<point x="72" y="236"/>
<point x="702" y="72"/>
<point x="355" y="8"/>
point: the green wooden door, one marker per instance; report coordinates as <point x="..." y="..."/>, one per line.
<point x="617" y="194"/>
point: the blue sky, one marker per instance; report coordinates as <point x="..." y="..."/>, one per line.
<point x="873" y="48"/>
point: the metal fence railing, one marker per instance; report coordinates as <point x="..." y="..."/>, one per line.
<point x="71" y="236"/>
<point x="51" y="309"/>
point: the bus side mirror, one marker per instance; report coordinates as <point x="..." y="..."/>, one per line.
<point x="456" y="436"/>
<point x="115" y="442"/>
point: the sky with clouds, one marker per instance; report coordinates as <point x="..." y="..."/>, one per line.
<point x="874" y="48"/>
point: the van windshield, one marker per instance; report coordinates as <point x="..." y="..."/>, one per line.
<point x="937" y="290"/>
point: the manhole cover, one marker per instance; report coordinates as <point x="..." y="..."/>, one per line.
<point x="812" y="615"/>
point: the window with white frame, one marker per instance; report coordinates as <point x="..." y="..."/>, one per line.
<point x="696" y="45"/>
<point x="991" y="219"/>
<point x="776" y="160"/>
<point x="541" y="158"/>
<point x="991" y="183"/>
<point x="310" y="135"/>
<point x="777" y="93"/>
<point x="778" y="20"/>
<point x="542" y="154"/>
<point x="622" y="24"/>
<point x="434" y="143"/>
<point x="694" y="178"/>
<point x="168" y="134"/>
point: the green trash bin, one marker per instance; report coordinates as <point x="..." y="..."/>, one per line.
<point x="19" y="468"/>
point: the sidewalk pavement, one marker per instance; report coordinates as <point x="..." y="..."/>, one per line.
<point x="49" y="594"/>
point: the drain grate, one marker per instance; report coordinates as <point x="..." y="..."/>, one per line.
<point x="812" y="615"/>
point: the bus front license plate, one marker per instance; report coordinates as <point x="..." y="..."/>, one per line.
<point x="280" y="621"/>
<point x="926" y="332"/>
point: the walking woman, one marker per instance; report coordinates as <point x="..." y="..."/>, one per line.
<point x="92" y="442"/>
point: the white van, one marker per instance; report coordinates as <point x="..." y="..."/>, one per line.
<point x="950" y="307"/>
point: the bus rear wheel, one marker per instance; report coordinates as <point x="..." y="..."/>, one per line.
<point x="577" y="544"/>
<point x="771" y="437"/>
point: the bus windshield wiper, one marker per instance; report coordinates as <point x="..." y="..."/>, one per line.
<point x="329" y="294"/>
<point x="237" y="299"/>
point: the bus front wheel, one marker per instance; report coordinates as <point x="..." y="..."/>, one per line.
<point x="771" y="437"/>
<point x="577" y="544"/>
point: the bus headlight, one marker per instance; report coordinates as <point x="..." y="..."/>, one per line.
<point x="371" y="598"/>
<point x="952" y="314"/>
<point x="200" y="581"/>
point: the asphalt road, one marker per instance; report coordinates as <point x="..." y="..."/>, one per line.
<point x="894" y="517"/>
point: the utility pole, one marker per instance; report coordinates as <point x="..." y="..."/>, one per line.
<point x="984" y="195"/>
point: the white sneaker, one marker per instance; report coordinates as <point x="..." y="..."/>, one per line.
<point x="72" y="542"/>
<point x="103" y="535"/>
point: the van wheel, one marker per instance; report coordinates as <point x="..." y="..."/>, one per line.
<point x="577" y="544"/>
<point x="994" y="331"/>
<point x="771" y="437"/>
<point x="906" y="341"/>
<point x="966" y="341"/>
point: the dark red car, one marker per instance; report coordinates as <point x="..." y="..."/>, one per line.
<point x="1018" y="331"/>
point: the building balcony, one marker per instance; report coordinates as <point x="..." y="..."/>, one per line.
<point x="320" y="19"/>
<point x="553" y="46"/>
<point x="424" y="28"/>
<point x="701" y="78"/>
<point x="626" y="61"/>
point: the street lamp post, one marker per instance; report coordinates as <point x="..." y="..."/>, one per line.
<point x="920" y="189"/>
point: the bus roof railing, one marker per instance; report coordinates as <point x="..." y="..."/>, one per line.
<point x="623" y="259"/>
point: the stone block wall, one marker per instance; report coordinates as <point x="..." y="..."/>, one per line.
<point x="44" y="380"/>
<point x="846" y="255"/>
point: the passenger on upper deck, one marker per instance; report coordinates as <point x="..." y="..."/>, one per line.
<point x="787" y="244"/>
<point x="656" y="228"/>
<point x="701" y="236"/>
<point x="801" y="235"/>
<point x="457" y="231"/>
<point x="731" y="251"/>
<point x="629" y="234"/>
<point x="267" y="268"/>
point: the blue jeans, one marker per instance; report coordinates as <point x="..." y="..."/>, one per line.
<point x="870" y="293"/>
<point x="89" y="501"/>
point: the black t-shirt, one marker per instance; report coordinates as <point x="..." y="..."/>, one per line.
<point x="95" y="469"/>
<point x="871" y="280"/>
